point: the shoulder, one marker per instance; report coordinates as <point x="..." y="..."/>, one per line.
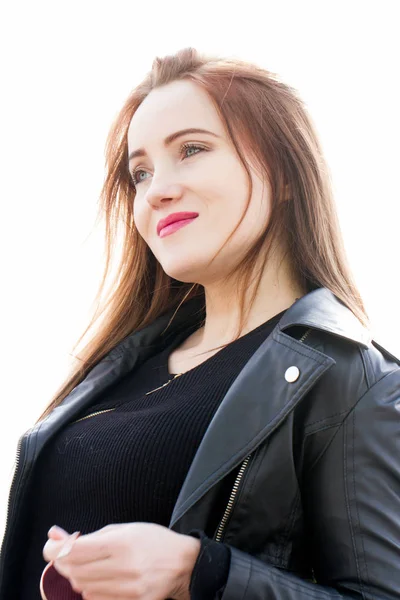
<point x="359" y="394"/>
<point x="371" y="360"/>
<point x="359" y="371"/>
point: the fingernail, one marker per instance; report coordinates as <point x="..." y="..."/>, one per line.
<point x="66" y="549"/>
<point x="56" y="529"/>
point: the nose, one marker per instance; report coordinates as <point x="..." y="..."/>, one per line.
<point x="160" y="193"/>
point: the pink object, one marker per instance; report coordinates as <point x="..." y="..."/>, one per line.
<point x="175" y="218"/>
<point x="54" y="586"/>
<point x="174" y="227"/>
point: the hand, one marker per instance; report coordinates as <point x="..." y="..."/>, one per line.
<point x="131" y="561"/>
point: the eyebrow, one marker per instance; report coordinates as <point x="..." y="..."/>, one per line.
<point x="171" y="138"/>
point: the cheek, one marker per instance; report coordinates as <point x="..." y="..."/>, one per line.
<point x="139" y="218"/>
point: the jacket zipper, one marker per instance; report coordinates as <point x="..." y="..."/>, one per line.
<point x="12" y="487"/>
<point x="17" y="460"/>
<point x="231" y="502"/>
<point x="305" y="335"/>
<point x="16" y="467"/>
<point x="18" y="455"/>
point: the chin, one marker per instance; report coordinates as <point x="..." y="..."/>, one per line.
<point x="182" y="276"/>
<point x="185" y="272"/>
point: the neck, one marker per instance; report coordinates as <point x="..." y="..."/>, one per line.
<point x="277" y="291"/>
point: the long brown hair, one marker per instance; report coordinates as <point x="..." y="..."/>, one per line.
<point x="264" y="118"/>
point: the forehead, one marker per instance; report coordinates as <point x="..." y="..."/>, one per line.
<point x="177" y="105"/>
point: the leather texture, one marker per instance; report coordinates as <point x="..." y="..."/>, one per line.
<point x="317" y="512"/>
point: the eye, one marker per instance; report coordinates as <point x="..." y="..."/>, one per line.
<point x="187" y="150"/>
<point x="186" y="147"/>
<point x="136" y="176"/>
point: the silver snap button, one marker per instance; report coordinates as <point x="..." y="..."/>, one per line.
<point x="292" y="374"/>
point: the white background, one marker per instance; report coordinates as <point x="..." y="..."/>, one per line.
<point x="66" y="69"/>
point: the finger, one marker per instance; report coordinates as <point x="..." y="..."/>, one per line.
<point x="111" y="596"/>
<point x="112" y="590"/>
<point x="61" y="568"/>
<point x="96" y="571"/>
<point x="86" y="549"/>
<point x="57" y="533"/>
<point x="67" y="547"/>
<point x="53" y="548"/>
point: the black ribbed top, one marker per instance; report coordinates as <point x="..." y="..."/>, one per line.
<point x="129" y="464"/>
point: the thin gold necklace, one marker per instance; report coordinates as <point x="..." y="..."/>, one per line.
<point x="165" y="384"/>
<point x="99" y="412"/>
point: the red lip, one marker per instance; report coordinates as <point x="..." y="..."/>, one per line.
<point x="173" y="218"/>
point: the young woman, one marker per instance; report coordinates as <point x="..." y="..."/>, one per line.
<point x="231" y="431"/>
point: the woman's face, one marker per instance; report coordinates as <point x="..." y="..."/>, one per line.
<point x="198" y="173"/>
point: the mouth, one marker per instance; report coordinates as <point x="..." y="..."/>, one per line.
<point x="174" y="227"/>
<point x="174" y="222"/>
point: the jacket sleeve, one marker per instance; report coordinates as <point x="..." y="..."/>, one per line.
<point x="351" y="496"/>
<point x="211" y="569"/>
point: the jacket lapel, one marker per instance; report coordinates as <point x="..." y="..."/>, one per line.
<point x="257" y="402"/>
<point x="260" y="398"/>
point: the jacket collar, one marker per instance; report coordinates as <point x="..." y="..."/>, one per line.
<point x="321" y="309"/>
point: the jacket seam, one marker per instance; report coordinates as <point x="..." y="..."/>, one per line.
<point x="338" y="414"/>
<point x="362" y="586"/>
<point x="324" y="428"/>
<point x="248" y="580"/>
<point x="299" y="587"/>
<point x="325" y="448"/>
<point x="346" y="495"/>
<point x="368" y="369"/>
<point x="340" y="425"/>
<point x="115" y="353"/>
<point x="289" y="528"/>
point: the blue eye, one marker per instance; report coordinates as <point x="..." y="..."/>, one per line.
<point x="187" y="147"/>
<point x="183" y="150"/>
<point x="134" y="176"/>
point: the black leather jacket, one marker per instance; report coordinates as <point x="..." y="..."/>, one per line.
<point x="315" y="509"/>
